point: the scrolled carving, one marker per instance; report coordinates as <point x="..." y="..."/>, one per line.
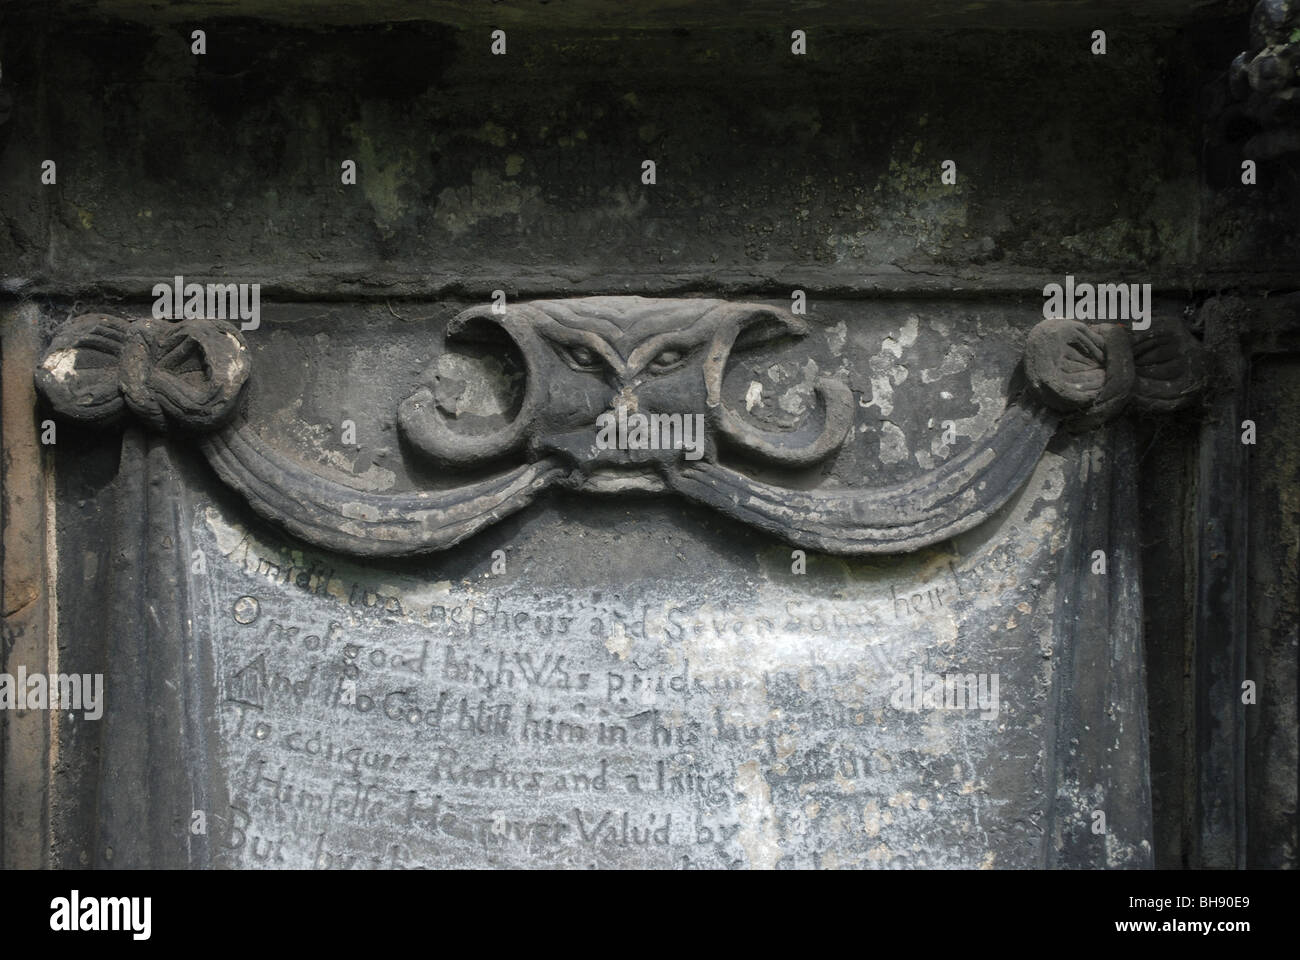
<point x="1082" y="370"/>
<point x="834" y="399"/>
<point x="78" y="375"/>
<point x="587" y="356"/>
<point x="584" y="358"/>
<point x="425" y="425"/>
<point x="187" y="374"/>
<point x="1170" y="366"/>
<point x="1092" y="373"/>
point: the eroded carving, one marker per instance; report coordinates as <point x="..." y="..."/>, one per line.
<point x="187" y="374"/>
<point x="1093" y="372"/>
<point x="655" y="356"/>
<point x="583" y="358"/>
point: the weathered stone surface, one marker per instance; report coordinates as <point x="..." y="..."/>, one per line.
<point x="819" y="170"/>
<point x="188" y="373"/>
<point x="240" y="633"/>
<point x="28" y="611"/>
<point x="588" y="367"/>
<point x="618" y="678"/>
<point x="594" y="706"/>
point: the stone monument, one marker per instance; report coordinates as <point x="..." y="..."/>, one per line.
<point x="648" y="434"/>
<point x="801" y="641"/>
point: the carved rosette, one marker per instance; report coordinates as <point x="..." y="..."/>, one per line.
<point x="186" y="374"/>
<point x="586" y="356"/>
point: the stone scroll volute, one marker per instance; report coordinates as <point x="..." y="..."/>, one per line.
<point x="586" y="357"/>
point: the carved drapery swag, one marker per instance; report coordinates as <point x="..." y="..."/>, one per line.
<point x="647" y="355"/>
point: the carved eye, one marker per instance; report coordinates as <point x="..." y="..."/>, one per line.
<point x="666" y="361"/>
<point x="581" y="358"/>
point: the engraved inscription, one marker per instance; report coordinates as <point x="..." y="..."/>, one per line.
<point x="385" y="720"/>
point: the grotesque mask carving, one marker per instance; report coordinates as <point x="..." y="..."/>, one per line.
<point x="584" y="359"/>
<point x="589" y="357"/>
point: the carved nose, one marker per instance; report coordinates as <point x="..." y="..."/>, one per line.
<point x="625" y="397"/>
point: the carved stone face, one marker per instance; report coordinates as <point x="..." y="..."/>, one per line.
<point x="601" y="355"/>
<point x="588" y="357"/>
